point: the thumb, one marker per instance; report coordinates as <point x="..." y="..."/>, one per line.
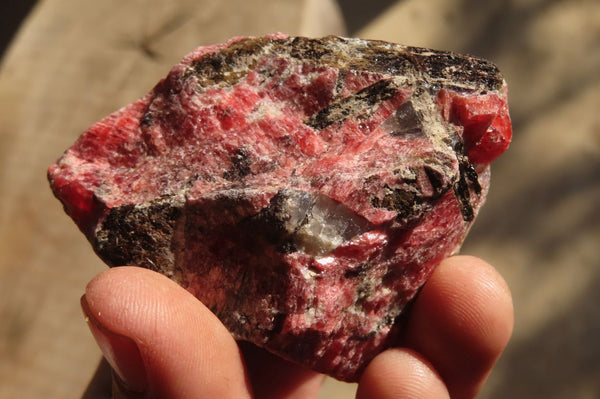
<point x="159" y="340"/>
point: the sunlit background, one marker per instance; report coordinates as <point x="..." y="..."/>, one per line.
<point x="67" y="63"/>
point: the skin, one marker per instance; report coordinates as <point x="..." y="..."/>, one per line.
<point x="158" y="341"/>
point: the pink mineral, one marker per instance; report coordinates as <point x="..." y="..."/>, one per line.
<point x="302" y="189"/>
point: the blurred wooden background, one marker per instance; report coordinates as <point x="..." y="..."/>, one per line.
<point x="73" y="62"/>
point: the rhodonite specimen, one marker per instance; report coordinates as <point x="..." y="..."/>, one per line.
<point x="302" y="189"/>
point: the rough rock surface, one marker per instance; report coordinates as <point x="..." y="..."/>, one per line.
<point x="302" y="189"/>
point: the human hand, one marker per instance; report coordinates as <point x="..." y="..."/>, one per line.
<point x="161" y="342"/>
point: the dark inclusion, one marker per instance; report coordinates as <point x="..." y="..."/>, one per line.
<point x="407" y="200"/>
<point x="403" y="201"/>
<point x="467" y="179"/>
<point x="240" y="165"/>
<point x="446" y="68"/>
<point x="139" y="235"/>
<point x="358" y="103"/>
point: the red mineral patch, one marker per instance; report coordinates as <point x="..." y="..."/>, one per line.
<point x="303" y="189"/>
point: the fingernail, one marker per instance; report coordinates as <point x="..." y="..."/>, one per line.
<point x="120" y="352"/>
